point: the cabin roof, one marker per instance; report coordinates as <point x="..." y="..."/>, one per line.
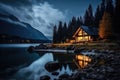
<point x="90" y="30"/>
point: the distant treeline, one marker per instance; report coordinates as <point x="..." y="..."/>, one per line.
<point x="4" y="38"/>
<point x="64" y="31"/>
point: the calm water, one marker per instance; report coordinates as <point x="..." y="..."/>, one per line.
<point x="16" y="62"/>
<point x="15" y="55"/>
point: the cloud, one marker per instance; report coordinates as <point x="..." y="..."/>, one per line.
<point x="47" y="15"/>
<point x="41" y="16"/>
<point x="17" y="2"/>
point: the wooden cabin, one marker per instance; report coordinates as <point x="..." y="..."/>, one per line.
<point x="85" y="33"/>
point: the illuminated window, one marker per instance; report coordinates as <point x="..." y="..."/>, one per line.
<point x="80" y="33"/>
<point x="79" y="39"/>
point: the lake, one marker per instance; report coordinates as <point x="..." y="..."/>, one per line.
<point x="17" y="63"/>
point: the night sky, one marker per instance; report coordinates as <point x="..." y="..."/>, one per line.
<point x="43" y="14"/>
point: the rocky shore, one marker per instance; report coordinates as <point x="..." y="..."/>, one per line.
<point x="105" y="65"/>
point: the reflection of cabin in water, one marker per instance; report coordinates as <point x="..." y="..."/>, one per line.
<point x="85" y="33"/>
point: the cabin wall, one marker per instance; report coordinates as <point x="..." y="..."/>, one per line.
<point x="82" y="36"/>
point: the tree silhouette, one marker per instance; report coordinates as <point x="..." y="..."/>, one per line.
<point x="105" y="27"/>
<point x="88" y="18"/>
<point x="109" y="7"/>
<point x="59" y="32"/>
<point x="97" y="17"/>
<point x="55" y="34"/>
<point x="117" y="18"/>
<point x="64" y="32"/>
<point x="102" y="9"/>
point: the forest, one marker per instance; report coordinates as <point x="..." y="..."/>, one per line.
<point x="106" y="18"/>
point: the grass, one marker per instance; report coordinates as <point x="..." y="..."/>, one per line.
<point x="90" y="45"/>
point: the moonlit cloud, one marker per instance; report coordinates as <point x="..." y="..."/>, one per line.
<point x="41" y="16"/>
<point x="47" y="15"/>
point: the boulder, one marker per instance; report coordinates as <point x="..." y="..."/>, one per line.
<point x="64" y="76"/>
<point x="30" y="49"/>
<point x="45" y="77"/>
<point x="52" y="66"/>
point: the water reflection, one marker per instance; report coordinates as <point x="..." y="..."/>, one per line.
<point x="13" y="55"/>
<point x="37" y="69"/>
<point x="82" y="60"/>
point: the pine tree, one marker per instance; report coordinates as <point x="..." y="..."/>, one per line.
<point x="86" y="18"/>
<point x="89" y="16"/>
<point x="117" y="18"/>
<point x="74" y="24"/>
<point x="81" y="21"/>
<point x="97" y="17"/>
<point x="78" y="22"/>
<point x="59" y="33"/>
<point x="64" y="32"/>
<point x="105" y="27"/>
<point x="102" y="9"/>
<point x="109" y="7"/>
<point x="70" y="30"/>
<point x="55" y="34"/>
<point x="73" y="20"/>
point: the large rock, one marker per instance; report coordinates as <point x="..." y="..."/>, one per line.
<point x="45" y="77"/>
<point x="64" y="76"/>
<point x="52" y="66"/>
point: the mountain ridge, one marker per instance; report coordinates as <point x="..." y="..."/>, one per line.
<point x="11" y="25"/>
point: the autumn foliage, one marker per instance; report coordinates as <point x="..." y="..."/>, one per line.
<point x="105" y="26"/>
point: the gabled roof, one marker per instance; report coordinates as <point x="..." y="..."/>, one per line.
<point x="76" y="32"/>
<point x="89" y="30"/>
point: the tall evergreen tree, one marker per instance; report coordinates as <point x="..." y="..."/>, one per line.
<point x="73" y="20"/>
<point x="74" y="24"/>
<point x="59" y="32"/>
<point x="89" y="16"/>
<point x="70" y="29"/>
<point x="55" y="34"/>
<point x="78" y="22"/>
<point x="109" y="7"/>
<point x="81" y="21"/>
<point x="102" y="9"/>
<point x="64" y="32"/>
<point x="86" y="18"/>
<point x="97" y="17"/>
<point x="117" y="18"/>
<point x="90" y="11"/>
<point x="105" y="27"/>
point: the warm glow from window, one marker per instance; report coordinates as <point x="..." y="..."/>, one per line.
<point x="84" y="38"/>
<point x="80" y="38"/>
<point x="83" y="60"/>
<point x="80" y="33"/>
<point x="71" y="41"/>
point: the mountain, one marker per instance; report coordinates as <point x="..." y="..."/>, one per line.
<point x="11" y="25"/>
